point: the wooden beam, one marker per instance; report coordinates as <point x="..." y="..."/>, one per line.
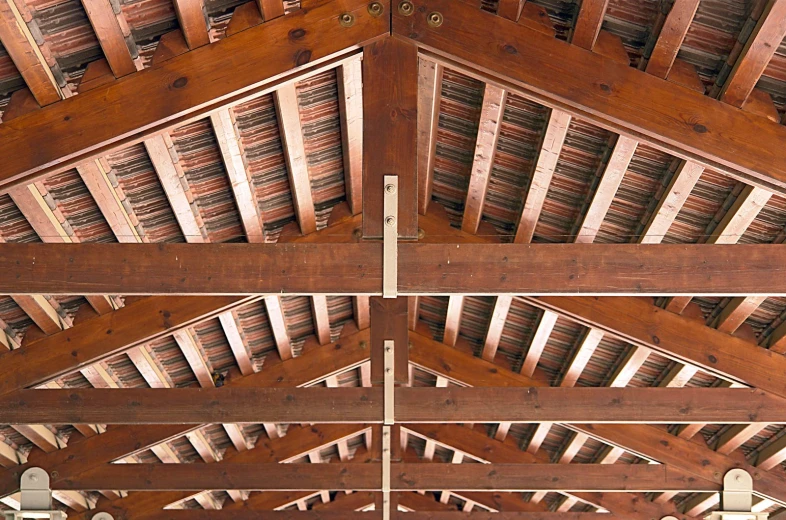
<point x="707" y="348"/>
<point x="271" y="9"/>
<point x="494" y="99"/>
<point x="130" y="326"/>
<point x="161" y="155"/>
<point x="192" y="22"/>
<point x="187" y="340"/>
<point x="525" y="61"/>
<point x="389" y="321"/>
<point x="250" y="514"/>
<point x="606" y="190"/>
<point x="26" y="55"/>
<point x="453" y="320"/>
<point x="288" y="110"/>
<point x="246" y="404"/>
<point x="321" y="318"/>
<point x="119" y="442"/>
<point x="40" y="311"/>
<point x="183" y="90"/>
<point x="228" y="142"/>
<point x="404" y="477"/>
<point x="39" y="435"/>
<point x="235" y="339"/>
<point x="277" y="320"/>
<point x="736" y="436"/>
<point x="671" y="202"/>
<point x="350" y="99"/>
<point x="736" y="312"/>
<point x="478" y="445"/>
<point x="588" y="23"/>
<point x="497" y="323"/>
<point x="550" y="149"/>
<point x="671" y="36"/>
<point x="510" y="9"/>
<point x="429" y="101"/>
<point x="341" y="268"/>
<point x="106" y="24"/>
<point x="390" y="133"/>
<point x="97" y="182"/>
<point x="545" y="325"/>
<point x="755" y="56"/>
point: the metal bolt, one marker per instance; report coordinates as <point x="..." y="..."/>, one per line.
<point x="716" y="475"/>
<point x="375" y="9"/>
<point x="390" y="221"/>
<point x="390" y="188"/>
<point x="406" y="8"/>
<point x="33" y="477"/>
<point x="363" y="345"/>
<point x="346" y="20"/>
<point x="388" y="370"/>
<point x="385" y="433"/>
<point x="421" y="234"/>
<point x="388" y="349"/>
<point x="435" y="19"/>
<point x="55" y="474"/>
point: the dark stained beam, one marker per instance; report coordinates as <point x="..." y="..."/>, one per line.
<point x="389" y="321"/>
<point x="625" y="100"/>
<point x="390" y="67"/>
<point x="26" y="55"/>
<point x="404" y="477"/>
<point x="186" y="88"/>
<point x="192" y="22"/>
<point x="271" y="9"/>
<point x="320" y="268"/>
<point x="250" y="514"/>
<point x="588" y="23"/>
<point x="413" y="405"/>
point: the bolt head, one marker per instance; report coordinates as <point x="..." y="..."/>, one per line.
<point x="390" y="188"/>
<point x="390" y="221"/>
<point x="375" y="9"/>
<point x="435" y="19"/>
<point x="406" y="8"/>
<point x="346" y="20"/>
<point x="33" y="478"/>
<point x="388" y="370"/>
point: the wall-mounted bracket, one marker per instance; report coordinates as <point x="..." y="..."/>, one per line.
<point x="389" y="393"/>
<point x="36" y="499"/>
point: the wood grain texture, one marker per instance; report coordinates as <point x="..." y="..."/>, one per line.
<point x="671" y="36"/>
<point x="350" y="98"/>
<point x="26" y="55"/>
<point x="404" y="477"/>
<point x="181" y="87"/>
<point x="106" y="25"/>
<point x="622" y="99"/>
<point x="192" y="22"/>
<point x="389" y="321"/>
<point x="429" y="100"/>
<point x="588" y="23"/>
<point x="390" y="67"/>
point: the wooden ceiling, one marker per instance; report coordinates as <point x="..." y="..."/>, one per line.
<point x="569" y="310"/>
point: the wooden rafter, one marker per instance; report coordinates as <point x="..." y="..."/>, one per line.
<point x="350" y="98"/>
<point x="429" y="99"/>
<point x="192" y="22"/>
<point x="24" y="51"/>
<point x="588" y="23"/>
<point x="671" y="36"/>
<point x="113" y="34"/>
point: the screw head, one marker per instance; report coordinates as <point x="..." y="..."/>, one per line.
<point x="435" y="19"/>
<point x="363" y="345"/>
<point x="388" y="370"/>
<point x="406" y="8"/>
<point x="33" y="478"/>
<point x="390" y="221"/>
<point x="388" y="349"/>
<point x="421" y="234"/>
<point x="390" y="188"/>
<point x="375" y="9"/>
<point x="346" y="20"/>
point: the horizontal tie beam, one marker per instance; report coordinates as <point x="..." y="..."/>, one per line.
<point x="412" y="405"/>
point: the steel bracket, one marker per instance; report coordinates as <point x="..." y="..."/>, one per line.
<point x="737" y="498"/>
<point x="390" y="238"/>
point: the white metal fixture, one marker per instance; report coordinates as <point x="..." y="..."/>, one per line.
<point x="737" y="498"/>
<point x="390" y="238"/>
<point x="36" y="499"/>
